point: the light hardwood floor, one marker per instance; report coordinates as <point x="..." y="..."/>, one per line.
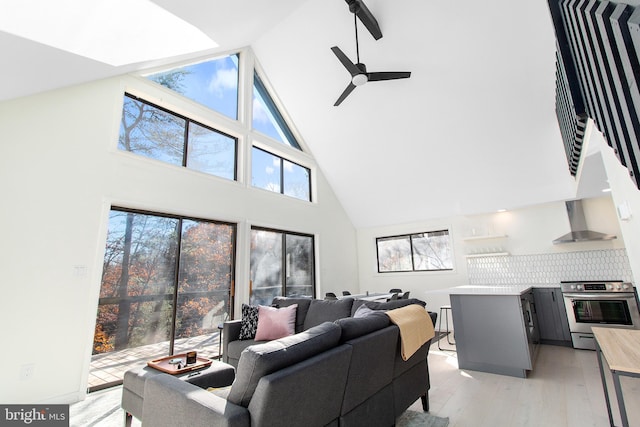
<point x="564" y="390"/>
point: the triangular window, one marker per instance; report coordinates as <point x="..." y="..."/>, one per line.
<point x="212" y="83"/>
<point x="266" y="117"/>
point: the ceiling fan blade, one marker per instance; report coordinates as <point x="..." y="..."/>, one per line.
<point x="350" y="66"/>
<point x="346" y="93"/>
<point x="366" y="17"/>
<point x="388" y="75"/>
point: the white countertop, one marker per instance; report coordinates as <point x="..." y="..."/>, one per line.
<point x="497" y="289"/>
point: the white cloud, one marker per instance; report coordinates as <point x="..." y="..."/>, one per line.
<point x="225" y="78"/>
<point x="259" y="111"/>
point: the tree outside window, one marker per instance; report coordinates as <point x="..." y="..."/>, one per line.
<point x="282" y="264"/>
<point x="429" y="251"/>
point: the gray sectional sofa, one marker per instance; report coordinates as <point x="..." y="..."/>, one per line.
<point x="342" y="372"/>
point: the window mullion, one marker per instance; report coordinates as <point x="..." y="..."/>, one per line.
<point x="413" y="263"/>
<point x="281" y="175"/>
<point x="284" y="264"/>
<point x="185" y="142"/>
<point x="176" y="275"/>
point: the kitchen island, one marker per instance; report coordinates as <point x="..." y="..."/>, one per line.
<point x="495" y="328"/>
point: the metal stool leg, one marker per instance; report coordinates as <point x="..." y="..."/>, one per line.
<point x="440" y="327"/>
<point x="448" y="332"/>
<point x="446" y="313"/>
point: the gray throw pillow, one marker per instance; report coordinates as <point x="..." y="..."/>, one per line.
<point x="321" y="311"/>
<point x="362" y="311"/>
<point x="354" y="327"/>
<point x="391" y="305"/>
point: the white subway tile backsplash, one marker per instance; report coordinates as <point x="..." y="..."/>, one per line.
<point x="608" y="264"/>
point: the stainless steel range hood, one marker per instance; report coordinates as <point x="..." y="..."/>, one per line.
<point x="578" y="223"/>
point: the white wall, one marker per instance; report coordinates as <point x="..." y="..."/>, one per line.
<point x="527" y="230"/>
<point x="61" y="172"/>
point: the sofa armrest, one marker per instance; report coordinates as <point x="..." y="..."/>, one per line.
<point x="169" y="401"/>
<point x="434" y="316"/>
<point x="230" y="332"/>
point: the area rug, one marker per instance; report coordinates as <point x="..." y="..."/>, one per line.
<point x="420" y="419"/>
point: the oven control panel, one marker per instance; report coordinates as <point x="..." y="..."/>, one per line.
<point x="613" y="286"/>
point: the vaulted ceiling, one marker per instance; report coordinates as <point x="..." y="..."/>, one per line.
<point x="472" y="131"/>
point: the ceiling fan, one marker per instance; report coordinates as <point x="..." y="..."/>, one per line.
<point x="358" y="70"/>
<point x="366" y="17"/>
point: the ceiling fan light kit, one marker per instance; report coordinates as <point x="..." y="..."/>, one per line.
<point x="358" y="70"/>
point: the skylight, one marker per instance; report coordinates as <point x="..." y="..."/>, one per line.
<point x="115" y="32"/>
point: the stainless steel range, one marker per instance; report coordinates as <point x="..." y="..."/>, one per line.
<point x="607" y="304"/>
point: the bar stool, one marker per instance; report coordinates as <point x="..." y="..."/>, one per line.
<point x="446" y="309"/>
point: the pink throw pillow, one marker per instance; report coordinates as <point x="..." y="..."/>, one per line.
<point x="274" y="323"/>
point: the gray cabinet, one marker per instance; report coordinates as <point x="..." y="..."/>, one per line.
<point x="553" y="325"/>
<point x="494" y="333"/>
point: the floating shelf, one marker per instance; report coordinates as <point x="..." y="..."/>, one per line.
<point x="485" y="237"/>
<point x="487" y="254"/>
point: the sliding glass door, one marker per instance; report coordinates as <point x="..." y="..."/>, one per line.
<point x="166" y="285"/>
<point x="282" y="264"/>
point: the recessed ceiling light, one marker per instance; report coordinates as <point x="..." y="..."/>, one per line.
<point x="606" y="190"/>
<point x="115" y="32"/>
<point x="501" y="210"/>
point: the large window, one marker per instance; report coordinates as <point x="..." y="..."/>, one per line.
<point x="166" y="285"/>
<point x="282" y="264"/>
<point x="151" y="131"/>
<point x="427" y="251"/>
<point x="279" y="175"/>
<point x="267" y="119"/>
<point x="212" y="83"/>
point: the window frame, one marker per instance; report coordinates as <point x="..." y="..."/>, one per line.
<point x="283" y="265"/>
<point x="148" y="75"/>
<point x="261" y="88"/>
<point x="282" y="182"/>
<point x="172" y="297"/>
<point x="412" y="254"/>
<point x="181" y="219"/>
<point x="185" y="140"/>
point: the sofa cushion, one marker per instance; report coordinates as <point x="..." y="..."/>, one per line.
<point x="353" y="327"/>
<point x="321" y="311"/>
<point x="301" y="312"/>
<point x="249" y="322"/>
<point x="274" y="323"/>
<point x="259" y="360"/>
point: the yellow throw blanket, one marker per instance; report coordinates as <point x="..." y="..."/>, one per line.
<point x="416" y="327"/>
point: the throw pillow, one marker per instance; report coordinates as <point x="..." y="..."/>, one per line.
<point x="391" y="305"/>
<point x="249" y="322"/>
<point x="301" y="312"/>
<point x="327" y="311"/>
<point x="274" y="323"/>
<point x="362" y="311"/>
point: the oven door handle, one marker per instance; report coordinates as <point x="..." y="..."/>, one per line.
<point x="621" y="295"/>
